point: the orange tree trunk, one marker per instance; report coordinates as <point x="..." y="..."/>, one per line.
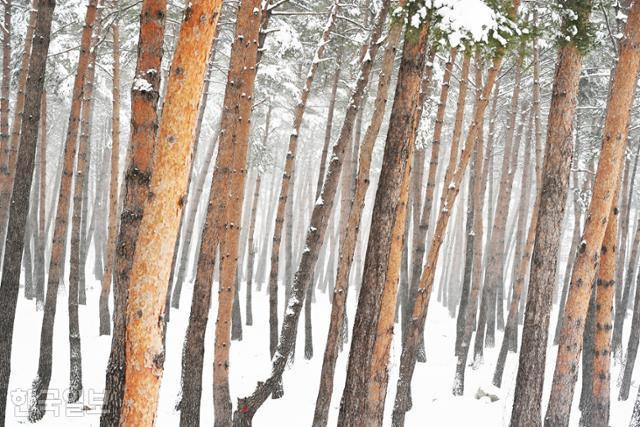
<point x="19" y="206"/>
<point x="222" y="212"/>
<point x="112" y="230"/>
<point x="597" y="413"/>
<point x="60" y="229"/>
<point x="606" y="181"/>
<point x="349" y="240"/>
<point x="364" y="392"/>
<point x="530" y="377"/>
<point x="144" y="123"/>
<point x="314" y="238"/>
<point x="423" y="294"/>
<point x="149" y="277"/>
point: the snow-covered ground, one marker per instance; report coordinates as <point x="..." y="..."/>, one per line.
<point x="431" y="387"/>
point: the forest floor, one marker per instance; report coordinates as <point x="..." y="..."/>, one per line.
<point x="432" y="382"/>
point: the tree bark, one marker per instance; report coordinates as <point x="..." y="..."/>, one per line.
<point x="112" y="231"/>
<point x="144" y="343"/>
<point x="349" y="240"/>
<point x="41" y="383"/>
<point x="367" y="375"/>
<point x="144" y="124"/>
<point x="19" y="206"/>
<point x="221" y="229"/>
<point x="598" y="413"/>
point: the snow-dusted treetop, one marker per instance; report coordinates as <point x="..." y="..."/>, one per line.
<point x="459" y="20"/>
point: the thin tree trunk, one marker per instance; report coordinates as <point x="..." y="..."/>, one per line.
<point x="76" y="268"/>
<point x="112" y="232"/>
<point x="494" y="275"/>
<point x="19" y="206"/>
<point x="41" y="383"/>
<point x="42" y="200"/>
<point x="478" y="191"/>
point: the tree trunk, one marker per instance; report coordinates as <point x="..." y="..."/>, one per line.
<point x="285" y="189"/>
<point x="494" y="277"/>
<point x="478" y="191"/>
<point x="598" y="413"/>
<point x="144" y="344"/>
<point x="112" y="232"/>
<point x="606" y="181"/>
<point x="349" y="240"/>
<point x="144" y="123"/>
<point x="9" y="147"/>
<point x="526" y="407"/>
<point x="41" y="383"/>
<point x="222" y="225"/>
<point x="42" y="199"/>
<point x="19" y="206"/>
<point x="76" y="267"/>
<point x="367" y="375"/>
<point x="621" y="312"/>
<point x="188" y="215"/>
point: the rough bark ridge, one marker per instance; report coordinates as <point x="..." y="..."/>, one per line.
<point x="606" y="181"/>
<point x="349" y="240"/>
<point x="248" y="406"/>
<point x="144" y="122"/>
<point x="19" y="206"/>
<point x="41" y="383"/>
<point x="365" y="386"/>
<point x="149" y="278"/>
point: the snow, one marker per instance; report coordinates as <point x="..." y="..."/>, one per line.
<point x="250" y="362"/>
<point x="142" y="85"/>
<point x="466" y="19"/>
